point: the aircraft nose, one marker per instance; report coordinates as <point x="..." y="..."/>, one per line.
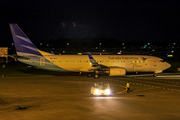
<point x="168" y="65"/>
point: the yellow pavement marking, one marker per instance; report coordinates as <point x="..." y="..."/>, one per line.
<point x="90" y="97"/>
<point x="82" y="98"/>
<point x="134" y="90"/>
<point x="121" y="91"/>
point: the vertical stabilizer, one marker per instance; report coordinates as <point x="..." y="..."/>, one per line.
<point x="24" y="47"/>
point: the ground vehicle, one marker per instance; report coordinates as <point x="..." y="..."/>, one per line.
<point x="101" y="89"/>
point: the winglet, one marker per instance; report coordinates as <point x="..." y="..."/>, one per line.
<point x="90" y="56"/>
<point x="52" y="52"/>
<point x="92" y="60"/>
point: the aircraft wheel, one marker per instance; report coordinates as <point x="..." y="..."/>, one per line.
<point x="89" y="75"/>
<point x="96" y="76"/>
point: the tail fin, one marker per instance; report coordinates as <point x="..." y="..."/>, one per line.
<point x="52" y="52"/>
<point x="24" y="47"/>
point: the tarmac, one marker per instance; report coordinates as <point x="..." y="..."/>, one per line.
<point x="50" y="97"/>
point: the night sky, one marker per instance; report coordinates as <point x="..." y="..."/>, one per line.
<point x="125" y="20"/>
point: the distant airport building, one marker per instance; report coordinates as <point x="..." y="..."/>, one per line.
<point x="3" y="54"/>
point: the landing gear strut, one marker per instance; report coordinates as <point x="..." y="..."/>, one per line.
<point x="95" y="75"/>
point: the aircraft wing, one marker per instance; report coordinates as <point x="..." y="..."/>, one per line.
<point x="95" y="65"/>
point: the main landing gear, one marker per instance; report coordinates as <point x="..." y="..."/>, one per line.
<point x="95" y="74"/>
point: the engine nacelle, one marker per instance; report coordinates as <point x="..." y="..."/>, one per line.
<point x="117" y="71"/>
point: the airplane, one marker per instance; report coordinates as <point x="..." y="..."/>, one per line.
<point x="114" y="65"/>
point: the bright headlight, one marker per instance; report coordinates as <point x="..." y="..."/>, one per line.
<point x="97" y="91"/>
<point x="107" y="91"/>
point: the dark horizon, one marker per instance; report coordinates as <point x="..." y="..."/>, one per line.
<point x="147" y="21"/>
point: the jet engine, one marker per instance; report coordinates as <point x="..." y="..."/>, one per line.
<point x="117" y="71"/>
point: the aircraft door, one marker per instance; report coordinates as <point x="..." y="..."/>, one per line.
<point x="42" y="61"/>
